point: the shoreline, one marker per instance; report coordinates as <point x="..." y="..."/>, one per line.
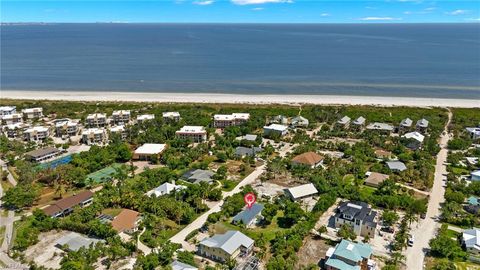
<point x="237" y="98"/>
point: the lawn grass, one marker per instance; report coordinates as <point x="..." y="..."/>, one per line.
<point x="6" y="185"/>
<point x="113" y="212"/>
<point x="459" y="171"/>
<point x="2" y="234"/>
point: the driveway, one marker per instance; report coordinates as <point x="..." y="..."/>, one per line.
<point x="426" y="228"/>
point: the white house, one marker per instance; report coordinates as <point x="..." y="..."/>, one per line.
<point x="227" y="120"/>
<point x="66" y="127"/>
<point x="301" y="192"/>
<point x="149" y="150"/>
<point x="475" y="175"/>
<point x="38" y="133"/>
<point x="120" y="130"/>
<point x="164" y="189"/>
<point x="273" y="129"/>
<point x="11" y="119"/>
<point x="416" y="139"/>
<point x="7" y="110"/>
<point x="96" y="136"/>
<point x="96" y="120"/>
<point x="32" y="113"/>
<point x="171" y="116"/>
<point x="145" y="117"/>
<point x="192" y="133"/>
<point x="121" y="117"/>
<point x="471" y="240"/>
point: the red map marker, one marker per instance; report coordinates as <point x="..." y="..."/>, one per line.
<point x="250" y="199"/>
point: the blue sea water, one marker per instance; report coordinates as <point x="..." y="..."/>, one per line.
<point x="427" y="60"/>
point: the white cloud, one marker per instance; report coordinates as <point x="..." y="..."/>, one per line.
<point x="203" y="2"/>
<point x="430" y="9"/>
<point x="458" y="12"/>
<point x="473" y="19"/>
<point x="325" y="14"/>
<point x="257" y="2"/>
<point x="407" y="12"/>
<point x="424" y="11"/>
<point x="379" y="19"/>
<point x="257" y="8"/>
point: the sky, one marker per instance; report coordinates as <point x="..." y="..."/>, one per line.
<point x="242" y="11"/>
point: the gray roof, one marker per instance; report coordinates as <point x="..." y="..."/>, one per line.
<point x="300" y="120"/>
<point x="345" y="120"/>
<point x="229" y="241"/>
<point x="247" y="151"/>
<point x="198" y="175"/>
<point x="407" y="122"/>
<point x="357" y="210"/>
<point x="422" y="123"/>
<point x="176" y="265"/>
<point x="75" y="241"/>
<point x="396" y="165"/>
<point x="380" y="126"/>
<point x="359" y="121"/>
<point x="471" y="238"/>
<point x="249" y="214"/>
<point x="249" y="137"/>
<point x="42" y="152"/>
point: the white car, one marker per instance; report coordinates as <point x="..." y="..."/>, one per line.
<point x="410" y="240"/>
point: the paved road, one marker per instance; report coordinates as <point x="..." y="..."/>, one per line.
<point x="426" y="228"/>
<point x="10" y="178"/>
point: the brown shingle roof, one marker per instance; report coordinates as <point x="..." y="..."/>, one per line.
<point x="383" y="153"/>
<point x="308" y="158"/>
<point x="68" y="202"/>
<point x="125" y="220"/>
<point x="375" y="179"/>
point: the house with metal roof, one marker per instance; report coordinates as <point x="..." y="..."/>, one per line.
<point x="275" y="129"/>
<point x="414" y="140"/>
<point x="474" y="132"/>
<point x="249" y="216"/>
<point x="422" y="125"/>
<point x="344" y="121"/>
<point x="164" y="189"/>
<point x="350" y="256"/>
<point x="242" y="152"/>
<point x="74" y="241"/>
<point x="227" y="246"/>
<point x="247" y="137"/>
<point x="381" y="127"/>
<point x="396" y="166"/>
<point x="301" y="192"/>
<point x="177" y="265"/>
<point x="471" y="240"/>
<point x="358" y="215"/>
<point x="299" y="121"/>
<point x="42" y="154"/>
<point x="405" y="125"/>
<point x="359" y="122"/>
<point x="149" y="151"/>
<point x="197" y="175"/>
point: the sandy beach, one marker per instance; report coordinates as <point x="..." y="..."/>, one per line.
<point x="236" y="98"/>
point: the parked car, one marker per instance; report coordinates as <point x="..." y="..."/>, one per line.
<point x="423" y="215"/>
<point x="411" y="239"/>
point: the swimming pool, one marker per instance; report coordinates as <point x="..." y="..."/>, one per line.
<point x="56" y="162"/>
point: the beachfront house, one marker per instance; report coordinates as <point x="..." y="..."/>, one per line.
<point x="396" y="166"/>
<point x="165" y="189"/>
<point x="275" y="130"/>
<point x="374" y="179"/>
<point x="301" y="192"/>
<point x="14" y="130"/>
<point x="42" y="154"/>
<point x="65" y="206"/>
<point x="225" y="247"/>
<point x="381" y="128"/>
<point x="96" y="120"/>
<point x="471" y="241"/>
<point x="405" y="125"/>
<point x="474" y="132"/>
<point x="192" y="133"/>
<point x="279" y="119"/>
<point x="359" y="123"/>
<point x="414" y="140"/>
<point x="171" y="116"/>
<point x="7" y="110"/>
<point x="66" y="127"/>
<point x="94" y="136"/>
<point x="309" y="159"/>
<point x="37" y="133"/>
<point x="33" y="113"/>
<point x="145" y="117"/>
<point x="126" y="221"/>
<point x="249" y="216"/>
<point x="359" y="216"/>
<point x="118" y="130"/>
<point x="300" y="122"/>
<point x="344" y="122"/>
<point x="149" y="151"/>
<point x="350" y="256"/>
<point x="121" y="117"/>
<point x="422" y="125"/>
<point x="11" y="119"/>
<point x="228" y="120"/>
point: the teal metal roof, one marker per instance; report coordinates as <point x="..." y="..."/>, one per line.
<point x="338" y="264"/>
<point x="473" y="200"/>
<point x="352" y="251"/>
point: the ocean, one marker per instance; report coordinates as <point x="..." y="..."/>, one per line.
<point x="409" y="60"/>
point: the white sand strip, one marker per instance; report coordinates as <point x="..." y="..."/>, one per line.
<point x="235" y="98"/>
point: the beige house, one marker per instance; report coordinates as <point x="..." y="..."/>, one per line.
<point x="374" y="179"/>
<point x="121" y="117"/>
<point x="11" y="119"/>
<point x="33" y="113"/>
<point x="96" y="120"/>
<point x="192" y="133"/>
<point x="224" y="247"/>
<point x="126" y="221"/>
<point x="171" y="116"/>
<point x="227" y="120"/>
<point x="66" y="127"/>
<point x="149" y="151"/>
<point x="145" y="117"/>
<point x="96" y="136"/>
<point x="38" y="133"/>
<point x="120" y="130"/>
<point x="359" y="216"/>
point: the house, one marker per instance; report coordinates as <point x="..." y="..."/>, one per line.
<point x="396" y="166"/>
<point x="248" y="137"/>
<point x="275" y="130"/>
<point x="249" y="216"/>
<point x="301" y="192"/>
<point x="383" y="154"/>
<point x="350" y="256"/>
<point x="471" y="241"/>
<point x="96" y="136"/>
<point x="405" y="125"/>
<point x="359" y="216"/>
<point x="15" y="130"/>
<point x="96" y="120"/>
<point x="415" y="140"/>
<point x="145" y="117"/>
<point x="7" y="110"/>
<point x="192" y="133"/>
<point x="299" y="121"/>
<point x="176" y="265"/>
<point x="474" y="132"/>
<point x="149" y="151"/>
<point x="119" y="130"/>
<point x="279" y="119"/>
<point x="11" y="119"/>
<point x="475" y="175"/>
<point x="33" y="113"/>
<point x="164" y="189"/>
<point x="38" y="133"/>
<point x="66" y="127"/>
<point x="344" y="121"/>
<point x="374" y="179"/>
<point x="126" y="221"/>
<point x="242" y="152"/>
<point x="381" y="127"/>
<point x="40" y="155"/>
<point x="422" y="125"/>
<point x="310" y="159"/>
<point x="74" y="241"/>
<point x="359" y="122"/>
<point x="472" y="200"/>
<point x="171" y="116"/>
<point x="472" y="206"/>
<point x="472" y="160"/>
<point x="121" y="117"/>
<point x="225" y="247"/>
<point x="197" y="175"/>
<point x="65" y="206"/>
<point x="228" y="120"/>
